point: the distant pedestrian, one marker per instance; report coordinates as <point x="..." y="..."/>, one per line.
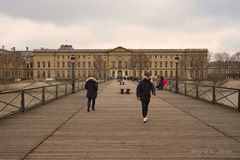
<point x="162" y="83"/>
<point x="91" y="86"/>
<point x="144" y="89"/>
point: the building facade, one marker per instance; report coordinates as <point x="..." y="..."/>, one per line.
<point x="12" y="65"/>
<point x="105" y="63"/>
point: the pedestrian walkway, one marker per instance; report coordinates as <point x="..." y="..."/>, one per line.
<point x="179" y="127"/>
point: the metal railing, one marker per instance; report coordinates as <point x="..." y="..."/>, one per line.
<point x="214" y="94"/>
<point x="15" y="101"/>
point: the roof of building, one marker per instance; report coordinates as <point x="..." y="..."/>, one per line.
<point x="69" y="48"/>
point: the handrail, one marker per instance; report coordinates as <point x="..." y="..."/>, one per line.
<point x="214" y="94"/>
<point x="19" y="90"/>
<point x="204" y="85"/>
<point x="24" y="99"/>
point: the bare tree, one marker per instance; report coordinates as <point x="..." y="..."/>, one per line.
<point x="139" y="62"/>
<point x="234" y="68"/>
<point x="222" y="64"/>
<point x="197" y="65"/>
<point x="98" y="65"/>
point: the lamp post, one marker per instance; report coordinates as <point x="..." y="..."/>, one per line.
<point x="73" y="60"/>
<point x="177" y="62"/>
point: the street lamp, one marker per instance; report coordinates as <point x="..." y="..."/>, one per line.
<point x="177" y="62"/>
<point x="73" y="60"/>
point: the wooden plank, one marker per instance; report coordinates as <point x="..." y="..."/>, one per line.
<point x="179" y="127"/>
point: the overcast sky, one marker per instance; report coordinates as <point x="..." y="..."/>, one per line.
<point x="212" y="24"/>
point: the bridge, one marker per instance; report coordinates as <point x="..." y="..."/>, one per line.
<point x="179" y="127"/>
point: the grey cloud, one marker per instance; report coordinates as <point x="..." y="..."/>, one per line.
<point x="219" y="8"/>
<point x="74" y="10"/>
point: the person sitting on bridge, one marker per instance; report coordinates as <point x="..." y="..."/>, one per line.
<point x="144" y="89"/>
<point x="91" y="86"/>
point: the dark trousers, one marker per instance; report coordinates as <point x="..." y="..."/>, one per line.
<point x="145" y="104"/>
<point x="91" y="101"/>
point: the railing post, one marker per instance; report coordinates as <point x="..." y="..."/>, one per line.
<point x="197" y="94"/>
<point x="78" y="86"/>
<point x="239" y="100"/>
<point x="56" y="92"/>
<point x="22" y="101"/>
<point x="43" y="95"/>
<point x="214" y="95"/>
<point x="66" y="90"/>
<point x="185" y="89"/>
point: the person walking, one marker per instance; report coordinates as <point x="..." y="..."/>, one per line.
<point x="161" y="85"/>
<point x="144" y="89"/>
<point x="91" y="86"/>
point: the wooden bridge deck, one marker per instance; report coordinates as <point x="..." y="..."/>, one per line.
<point x="179" y="127"/>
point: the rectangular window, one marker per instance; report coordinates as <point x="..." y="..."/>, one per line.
<point x="171" y="64"/>
<point x="38" y="64"/>
<point x="44" y="75"/>
<point x="126" y="64"/>
<point x="166" y="64"/>
<point x="63" y="64"/>
<point x="38" y="74"/>
<point x="68" y="74"/>
<point x="43" y="64"/>
<point x="113" y="64"/>
<point x="166" y="73"/>
<point x="105" y="64"/>
<point x="84" y="64"/>
<point x="89" y="64"/>
<point x="49" y="64"/>
<point x="49" y="74"/>
<point x="58" y="73"/>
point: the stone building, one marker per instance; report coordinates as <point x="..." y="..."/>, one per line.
<point x="12" y="65"/>
<point x="28" y="70"/>
<point x="104" y="63"/>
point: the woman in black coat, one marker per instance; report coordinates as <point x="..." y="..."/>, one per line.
<point x="144" y="90"/>
<point x="91" y="86"/>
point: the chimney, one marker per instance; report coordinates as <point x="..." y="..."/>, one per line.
<point x="13" y="49"/>
<point x="3" y="47"/>
<point x="26" y="48"/>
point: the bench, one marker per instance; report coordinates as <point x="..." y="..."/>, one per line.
<point x="127" y="91"/>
